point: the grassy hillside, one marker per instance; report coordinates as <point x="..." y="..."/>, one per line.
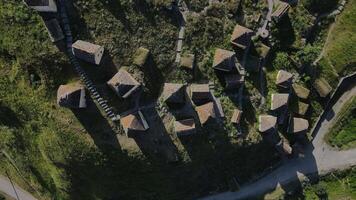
<point x="343" y="134"/>
<point x="56" y="156"/>
<point x="340" y="49"/>
<point x="59" y="157"/>
<point x="339" y="185"/>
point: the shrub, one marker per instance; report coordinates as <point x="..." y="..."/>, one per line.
<point x="320" y="191"/>
<point x="307" y="55"/>
<point x="282" y="61"/>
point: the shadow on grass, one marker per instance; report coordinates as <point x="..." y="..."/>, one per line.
<point x="97" y="126"/>
<point x="116" y="9"/>
<point x="285" y="33"/>
<point x="8" y="117"/>
<point x="156" y="144"/>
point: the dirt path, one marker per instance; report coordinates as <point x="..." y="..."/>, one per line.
<point x="319" y="158"/>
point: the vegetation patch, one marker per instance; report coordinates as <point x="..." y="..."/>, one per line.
<point x="63" y="156"/>
<point x="340" y="49"/>
<point x="343" y="134"/>
<point x="337" y="185"/>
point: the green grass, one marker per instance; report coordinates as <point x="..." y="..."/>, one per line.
<point x="54" y="152"/>
<point x="338" y="185"/>
<point x="340" y="47"/>
<point x="343" y="134"/>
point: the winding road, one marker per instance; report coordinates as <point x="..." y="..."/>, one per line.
<point x="319" y="158"/>
<point x="13" y="190"/>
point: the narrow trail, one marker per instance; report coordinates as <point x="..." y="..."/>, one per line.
<point x="182" y="10"/>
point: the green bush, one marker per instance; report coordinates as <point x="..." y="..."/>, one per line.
<point x="282" y="61"/>
<point x="342" y="135"/>
<point x="308" y="54"/>
<point x="320" y="191"/>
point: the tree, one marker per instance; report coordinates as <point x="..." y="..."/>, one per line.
<point x="320" y="191"/>
<point x="160" y="3"/>
<point x="282" y="61"/>
<point x="308" y="54"/>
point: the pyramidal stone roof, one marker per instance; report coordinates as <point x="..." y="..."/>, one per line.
<point x="301" y="91"/>
<point x="123" y="83"/>
<point x="173" y="93"/>
<point x="134" y="122"/>
<point x="236" y="117"/>
<point x="322" y="87"/>
<point x="42" y="5"/>
<point x="206" y="112"/>
<point x="283" y="77"/>
<point x="267" y="122"/>
<point x="282" y="9"/>
<point x="183" y="126"/>
<point x="88" y="52"/>
<point x="298" y="125"/>
<point x="187" y="61"/>
<point x="71" y="95"/>
<point x="223" y="59"/>
<point x="200" y="91"/>
<point x="279" y="100"/>
<point x="241" y="36"/>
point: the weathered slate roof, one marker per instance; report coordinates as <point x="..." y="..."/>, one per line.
<point x="134" y="122"/>
<point x="86" y="46"/>
<point x="322" y="87"/>
<point x="123" y="84"/>
<point x="200" y="91"/>
<point x="283" y="78"/>
<point x="187" y="61"/>
<point x="206" y="112"/>
<point x="301" y="91"/>
<point x="301" y="108"/>
<point x="71" y="96"/>
<point x="223" y="60"/>
<point x="140" y="57"/>
<point x="298" y="125"/>
<point x="241" y="36"/>
<point x="186" y="126"/>
<point x="88" y="51"/>
<point x="42" y="5"/>
<point x="282" y="9"/>
<point x="54" y="30"/>
<point x="173" y="93"/>
<point x="279" y="100"/>
<point x="236" y="116"/>
<point x="266" y="123"/>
